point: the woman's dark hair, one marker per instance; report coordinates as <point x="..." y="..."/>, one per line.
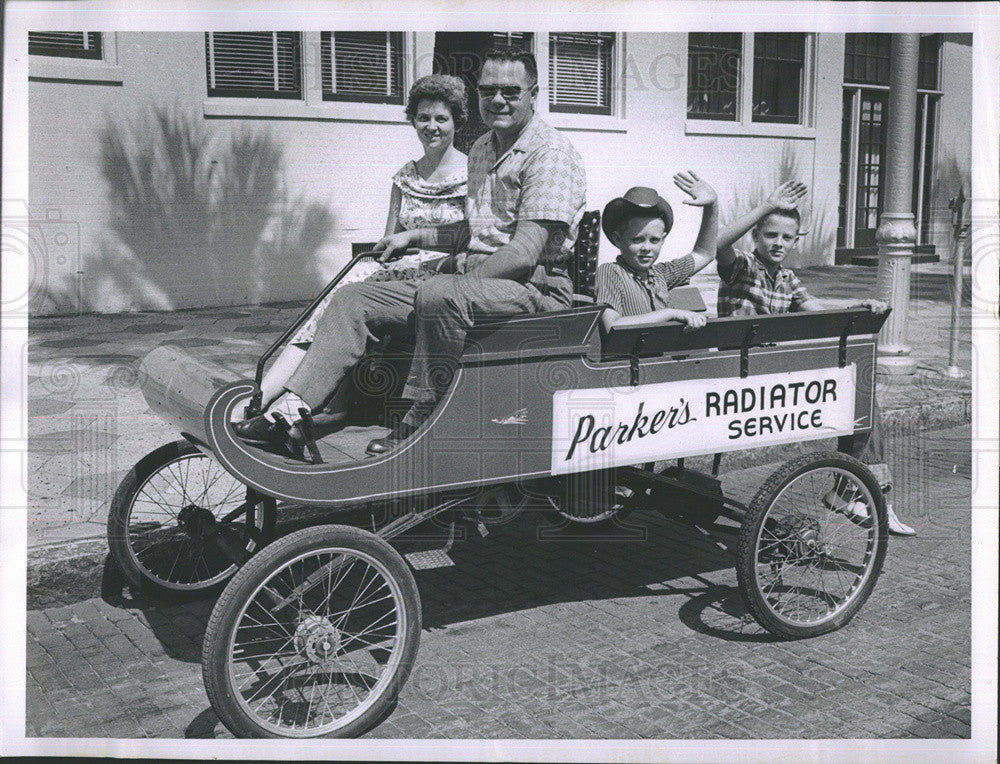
<point x="445" y="88"/>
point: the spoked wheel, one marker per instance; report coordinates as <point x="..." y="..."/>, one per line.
<point x="812" y="545"/>
<point x="314" y="636"/>
<point x="178" y="523"/>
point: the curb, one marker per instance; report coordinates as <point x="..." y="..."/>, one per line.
<point x="69" y="571"/>
<point x="63" y="573"/>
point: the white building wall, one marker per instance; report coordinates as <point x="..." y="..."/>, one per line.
<point x="953" y="154"/>
<point x="196" y="250"/>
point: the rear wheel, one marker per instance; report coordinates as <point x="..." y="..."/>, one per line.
<point x="314" y="636"/>
<point x="178" y="523"/>
<point x="812" y="545"/>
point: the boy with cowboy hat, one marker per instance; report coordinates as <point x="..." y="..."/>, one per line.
<point x="635" y="286"/>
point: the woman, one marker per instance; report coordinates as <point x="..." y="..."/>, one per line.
<point x="429" y="191"/>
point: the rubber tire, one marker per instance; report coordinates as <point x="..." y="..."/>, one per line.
<point x="218" y="634"/>
<point x="120" y="511"/>
<point x="747" y="543"/>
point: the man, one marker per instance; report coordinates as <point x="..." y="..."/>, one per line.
<point x="526" y="195"/>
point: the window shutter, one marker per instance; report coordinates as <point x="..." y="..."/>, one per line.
<point x="580" y="72"/>
<point x="65" y="44"/>
<point x="254" y="64"/>
<point x="362" y="66"/>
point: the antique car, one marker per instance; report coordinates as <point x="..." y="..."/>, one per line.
<point x="314" y="633"/>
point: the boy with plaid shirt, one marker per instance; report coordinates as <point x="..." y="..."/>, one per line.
<point x="755" y="283"/>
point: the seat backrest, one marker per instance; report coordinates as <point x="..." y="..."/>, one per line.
<point x="583" y="265"/>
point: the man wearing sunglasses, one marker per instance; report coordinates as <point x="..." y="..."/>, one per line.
<point x="526" y="195"/>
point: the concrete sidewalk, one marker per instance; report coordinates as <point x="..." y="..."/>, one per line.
<point x="88" y="423"/>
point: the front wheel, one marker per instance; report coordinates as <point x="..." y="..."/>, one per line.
<point x="178" y="526"/>
<point x="314" y="636"/>
<point x="812" y="545"/>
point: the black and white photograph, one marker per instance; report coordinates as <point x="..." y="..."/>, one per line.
<point x="477" y="382"/>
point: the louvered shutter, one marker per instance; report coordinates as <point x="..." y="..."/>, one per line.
<point x="362" y="66"/>
<point x="65" y="44"/>
<point x="580" y="72"/>
<point x="254" y="64"/>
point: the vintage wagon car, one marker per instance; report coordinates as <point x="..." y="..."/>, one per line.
<point x="316" y="632"/>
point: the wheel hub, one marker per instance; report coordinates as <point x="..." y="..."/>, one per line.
<point x="799" y="539"/>
<point x="317" y="639"/>
<point x="196" y="521"/>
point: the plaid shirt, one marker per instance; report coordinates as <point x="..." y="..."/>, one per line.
<point x="748" y="290"/>
<point x="632" y="293"/>
<point x="540" y="177"/>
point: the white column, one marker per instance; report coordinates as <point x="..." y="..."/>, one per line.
<point x="896" y="235"/>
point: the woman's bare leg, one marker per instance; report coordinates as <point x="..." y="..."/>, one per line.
<point x="277" y="375"/>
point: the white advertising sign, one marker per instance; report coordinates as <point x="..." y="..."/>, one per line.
<point x="611" y="427"/>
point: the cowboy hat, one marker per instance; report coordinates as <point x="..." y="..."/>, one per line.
<point x="638" y="201"/>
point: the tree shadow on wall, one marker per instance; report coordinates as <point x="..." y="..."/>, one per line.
<point x="197" y="220"/>
<point x="820" y="234"/>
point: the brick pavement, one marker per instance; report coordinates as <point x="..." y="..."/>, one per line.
<point x="530" y="638"/>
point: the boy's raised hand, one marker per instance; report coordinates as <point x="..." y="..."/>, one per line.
<point x="787" y="195"/>
<point x="701" y="193"/>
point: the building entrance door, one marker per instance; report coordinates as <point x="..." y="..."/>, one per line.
<point x="863" y="145"/>
<point x="865" y="125"/>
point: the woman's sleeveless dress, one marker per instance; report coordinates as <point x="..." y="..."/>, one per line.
<point x="423" y="204"/>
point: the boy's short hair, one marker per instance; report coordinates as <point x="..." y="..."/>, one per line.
<point x="792" y="214"/>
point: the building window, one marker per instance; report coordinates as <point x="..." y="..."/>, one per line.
<point x="521" y="40"/>
<point x="580" y="72"/>
<point x="713" y="75"/>
<point x="758" y="78"/>
<point x="66" y="44"/>
<point x="866" y="58"/>
<point x="928" y="62"/>
<point x="778" y="68"/>
<point x="254" y="64"/>
<point x="362" y="66"/>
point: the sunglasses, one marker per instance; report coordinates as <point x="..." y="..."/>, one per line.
<point x="507" y="92"/>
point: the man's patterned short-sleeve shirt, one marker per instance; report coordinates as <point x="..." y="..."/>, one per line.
<point x="747" y="289"/>
<point x="540" y="177"/>
<point x="632" y="293"/>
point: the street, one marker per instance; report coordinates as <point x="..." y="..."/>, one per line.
<point x="529" y="636"/>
